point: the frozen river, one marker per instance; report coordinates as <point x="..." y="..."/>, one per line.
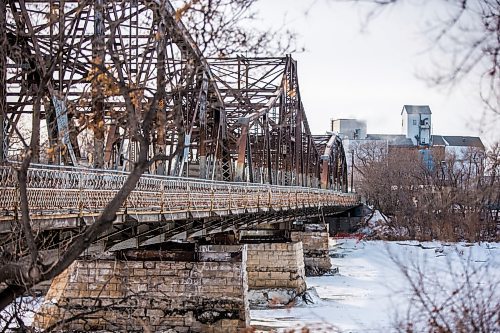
<point x="370" y="289"/>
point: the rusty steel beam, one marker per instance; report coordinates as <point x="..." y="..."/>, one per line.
<point x="98" y="95"/>
<point x="242" y="151"/>
<point x="265" y="92"/>
<point x="333" y="171"/>
<point x="233" y="119"/>
<point x="72" y="49"/>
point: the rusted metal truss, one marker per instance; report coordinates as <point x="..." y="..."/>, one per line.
<point x="69" y="70"/>
<point x="268" y="133"/>
<point x="333" y="162"/>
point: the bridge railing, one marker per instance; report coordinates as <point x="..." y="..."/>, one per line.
<point x="56" y="191"/>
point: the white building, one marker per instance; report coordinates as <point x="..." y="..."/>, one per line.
<point x="416" y="124"/>
<point x="351" y="129"/>
<point x="417" y="133"/>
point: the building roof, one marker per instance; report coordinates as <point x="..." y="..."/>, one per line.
<point x="437" y="140"/>
<point x="392" y="139"/>
<point x="416" y="109"/>
<point x="463" y="141"/>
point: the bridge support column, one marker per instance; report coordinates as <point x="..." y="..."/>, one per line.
<point x="275" y="273"/>
<point x="242" y="151"/>
<point x="208" y="294"/>
<point x="316" y="251"/>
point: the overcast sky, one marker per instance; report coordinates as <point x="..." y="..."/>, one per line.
<point x="349" y="73"/>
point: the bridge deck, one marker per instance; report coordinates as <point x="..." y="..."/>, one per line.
<point x="63" y="193"/>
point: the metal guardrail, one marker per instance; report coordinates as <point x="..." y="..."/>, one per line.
<point x="57" y="191"/>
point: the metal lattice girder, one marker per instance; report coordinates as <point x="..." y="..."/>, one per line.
<point x="81" y="55"/>
<point x="79" y="65"/>
<point x="3" y="91"/>
<point x="333" y="168"/>
<point x="267" y="127"/>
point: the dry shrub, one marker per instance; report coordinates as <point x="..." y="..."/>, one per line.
<point x="461" y="298"/>
<point x="448" y="198"/>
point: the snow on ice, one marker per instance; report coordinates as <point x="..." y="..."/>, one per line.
<point x="370" y="289"/>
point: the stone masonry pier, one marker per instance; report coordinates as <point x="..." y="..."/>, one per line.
<point x="276" y="273"/>
<point x="205" y="294"/>
<point x="203" y="288"/>
<point x="316" y="251"/>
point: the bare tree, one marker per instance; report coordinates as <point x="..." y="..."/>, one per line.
<point x="448" y="197"/>
<point x="21" y="275"/>
<point x="227" y="27"/>
<point x="458" y="298"/>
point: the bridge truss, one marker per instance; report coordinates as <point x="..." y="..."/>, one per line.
<point x="88" y="88"/>
<point x="71" y="71"/>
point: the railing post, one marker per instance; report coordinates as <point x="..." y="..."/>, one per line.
<point x="188" y="189"/>
<point x="18" y="196"/>
<point x="212" y="197"/>
<point x="258" y="200"/>
<point x="246" y="198"/>
<point x="162" y="202"/>
<point x="270" y="197"/>
<point x="80" y="195"/>
<point x="289" y="199"/>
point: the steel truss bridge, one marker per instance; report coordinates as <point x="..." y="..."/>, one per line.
<point x="227" y="139"/>
<point x="171" y="207"/>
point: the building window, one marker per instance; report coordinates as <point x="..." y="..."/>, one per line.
<point x="414" y="121"/>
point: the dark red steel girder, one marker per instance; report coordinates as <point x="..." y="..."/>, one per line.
<point x="269" y="136"/>
<point x="65" y="64"/>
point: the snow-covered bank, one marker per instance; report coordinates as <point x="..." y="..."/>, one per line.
<point x="370" y="288"/>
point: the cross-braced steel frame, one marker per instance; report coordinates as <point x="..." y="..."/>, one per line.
<point x="268" y="133"/>
<point x="70" y="69"/>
